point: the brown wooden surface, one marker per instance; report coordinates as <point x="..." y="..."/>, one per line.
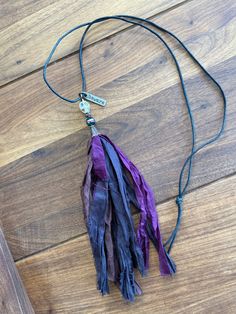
<point x="13" y="298"/>
<point x="43" y="147"/>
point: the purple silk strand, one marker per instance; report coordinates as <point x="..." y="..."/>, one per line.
<point x="86" y="187"/>
<point x="98" y="157"/>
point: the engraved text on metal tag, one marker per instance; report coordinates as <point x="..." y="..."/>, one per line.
<point x="95" y="99"/>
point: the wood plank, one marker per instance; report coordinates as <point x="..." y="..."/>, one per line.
<point x="13" y="297"/>
<point x="14" y="11"/>
<point x="62" y="279"/>
<point x="27" y="42"/>
<point x="33" y="117"/>
<point x="41" y="201"/>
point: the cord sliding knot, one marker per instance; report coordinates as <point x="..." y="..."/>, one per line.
<point x="179" y="200"/>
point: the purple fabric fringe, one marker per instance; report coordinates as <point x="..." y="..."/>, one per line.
<point x="112" y="182"/>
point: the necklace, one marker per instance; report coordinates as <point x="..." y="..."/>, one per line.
<point x="113" y="184"/>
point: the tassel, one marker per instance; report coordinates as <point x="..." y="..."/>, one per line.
<point x="111" y="184"/>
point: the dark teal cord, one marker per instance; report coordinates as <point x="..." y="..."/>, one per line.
<point x="188" y="162"/>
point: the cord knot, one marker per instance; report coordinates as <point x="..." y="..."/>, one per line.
<point x="179" y="200"/>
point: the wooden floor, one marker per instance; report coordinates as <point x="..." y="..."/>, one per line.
<point x="43" y="147"/>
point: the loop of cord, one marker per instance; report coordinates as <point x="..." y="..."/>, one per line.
<point x="188" y="162"/>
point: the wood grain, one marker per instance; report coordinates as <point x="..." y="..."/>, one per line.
<point x="14" y="11"/>
<point x="62" y="279"/>
<point x="41" y="201"/>
<point x="26" y="43"/>
<point x="13" y="297"/>
<point x="33" y="117"/>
